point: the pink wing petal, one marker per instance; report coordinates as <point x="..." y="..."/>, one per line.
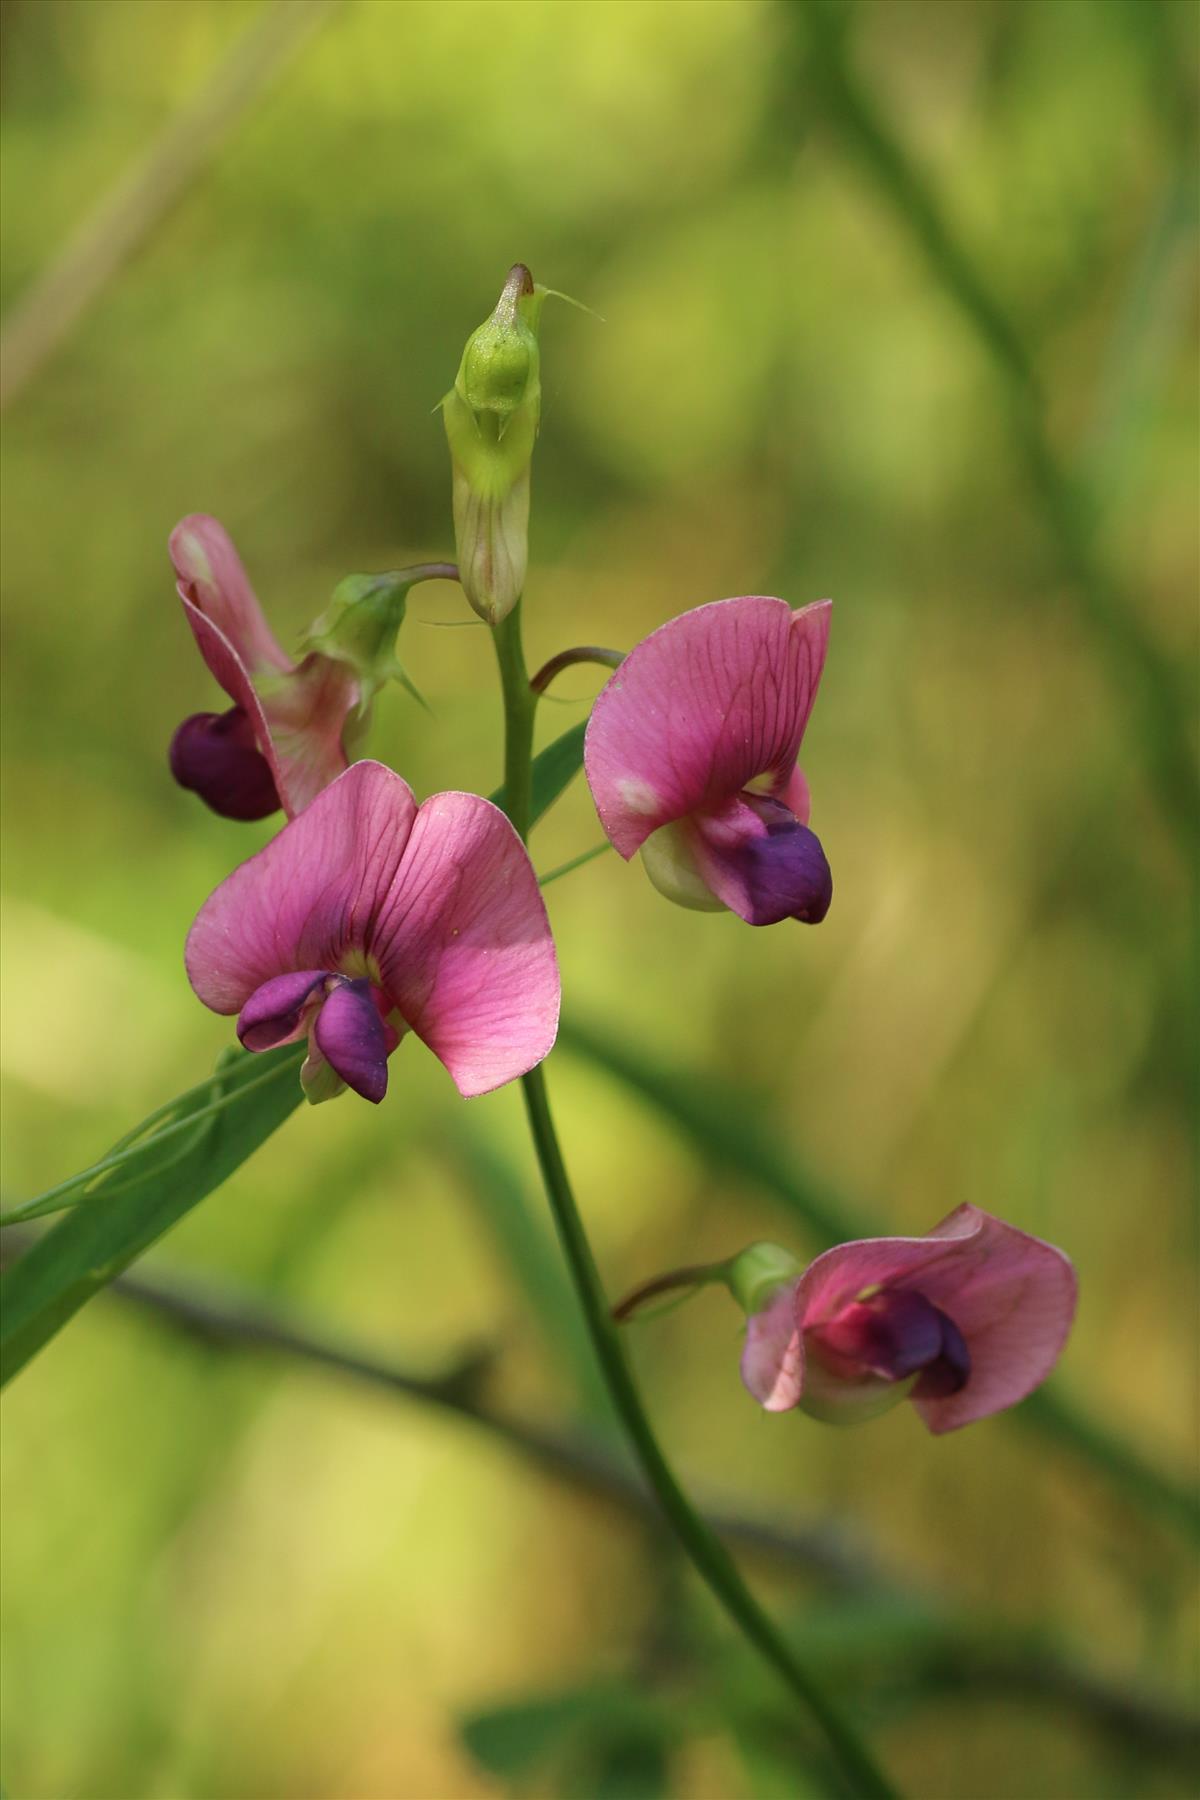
<point x="311" y="898"/>
<point x="709" y="702"/>
<point x="773" y="1354"/>
<point x="211" y="577"/>
<point x="465" y="947"/>
<point x="1012" y="1297"/>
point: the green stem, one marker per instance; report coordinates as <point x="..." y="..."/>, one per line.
<point x="708" y="1554"/>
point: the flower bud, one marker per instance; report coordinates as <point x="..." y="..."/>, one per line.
<point x="491" y="415"/>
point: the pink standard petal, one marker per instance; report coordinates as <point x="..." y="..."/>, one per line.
<point x="773" y="1354"/>
<point x="465" y="946"/>
<point x="1011" y="1296"/>
<point x="212" y="579"/>
<point x="311" y="898"/>
<point x="711" y="701"/>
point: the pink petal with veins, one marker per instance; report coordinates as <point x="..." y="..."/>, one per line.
<point x="311" y="898"/>
<point x="464" y="944"/>
<point x="710" y="702"/>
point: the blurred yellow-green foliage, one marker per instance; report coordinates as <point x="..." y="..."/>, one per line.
<point x="238" y="1578"/>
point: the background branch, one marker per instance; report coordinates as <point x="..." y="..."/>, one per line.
<point x="113" y="230"/>
<point x="961" y="1658"/>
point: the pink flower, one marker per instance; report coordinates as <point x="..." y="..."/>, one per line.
<point x="964" y="1322"/>
<point x="691" y="758"/>
<point x="368" y="916"/>
<point x="283" y="740"/>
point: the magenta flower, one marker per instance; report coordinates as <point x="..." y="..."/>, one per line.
<point x="283" y="739"/>
<point x="691" y="758"/>
<point x="963" y="1322"/>
<point x="368" y="916"/>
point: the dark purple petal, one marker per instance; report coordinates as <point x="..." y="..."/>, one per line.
<point x="215" y="756"/>
<point x="352" y="1038"/>
<point x="762" y="863"/>
<point x="893" y="1334"/>
<point x="948" y="1372"/>
<point x="275" y="1011"/>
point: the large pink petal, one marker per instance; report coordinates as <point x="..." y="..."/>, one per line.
<point x="311" y="899"/>
<point x="211" y="577"/>
<point x="464" y="944"/>
<point x="1012" y="1297"/>
<point x="708" y="703"/>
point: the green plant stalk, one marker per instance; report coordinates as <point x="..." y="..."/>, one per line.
<point x="708" y="1554"/>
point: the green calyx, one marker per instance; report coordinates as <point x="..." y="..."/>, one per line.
<point x="360" y="626"/>
<point x="757" y="1274"/>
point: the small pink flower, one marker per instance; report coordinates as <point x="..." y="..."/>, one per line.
<point x="964" y="1322"/>
<point x="283" y="740"/>
<point x="691" y="758"/>
<point x="368" y="916"/>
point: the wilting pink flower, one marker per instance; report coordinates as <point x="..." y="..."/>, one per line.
<point x="963" y="1322"/>
<point x="691" y="758"/>
<point x="368" y="916"/>
<point x="283" y="740"/>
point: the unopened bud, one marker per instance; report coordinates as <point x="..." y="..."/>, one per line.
<point x="491" y="416"/>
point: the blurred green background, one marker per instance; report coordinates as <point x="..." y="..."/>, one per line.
<point x="237" y="1577"/>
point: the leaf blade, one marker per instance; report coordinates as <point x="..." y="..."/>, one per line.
<point x="100" y="1237"/>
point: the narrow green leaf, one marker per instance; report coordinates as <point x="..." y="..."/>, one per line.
<point x="553" y="768"/>
<point x="725" y="1126"/>
<point x="135" y="1197"/>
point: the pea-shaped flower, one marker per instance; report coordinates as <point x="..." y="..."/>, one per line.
<point x="691" y="758"/>
<point x="369" y="915"/>
<point x="963" y="1322"/>
<point x="284" y="738"/>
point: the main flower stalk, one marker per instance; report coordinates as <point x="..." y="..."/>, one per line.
<point x="706" y="1551"/>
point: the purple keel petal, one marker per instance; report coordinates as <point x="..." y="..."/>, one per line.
<point x="892" y="1334"/>
<point x="311" y="899"/>
<point x="351" y="1037"/>
<point x="216" y="756"/>
<point x="464" y="944"/>
<point x="211" y="578"/>
<point x="279" y="1009"/>
<point x="762" y="863"/>
<point x="710" y="702"/>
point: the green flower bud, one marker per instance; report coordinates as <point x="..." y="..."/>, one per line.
<point x="491" y="415"/>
